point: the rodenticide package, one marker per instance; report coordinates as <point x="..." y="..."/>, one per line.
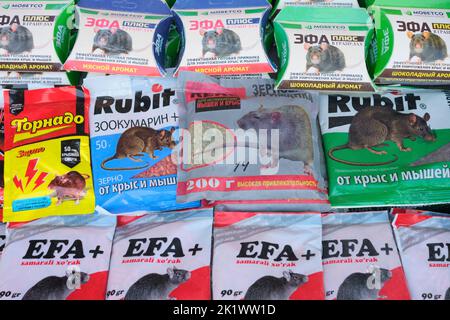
<point x="424" y="243"/>
<point x="223" y="37"/>
<point x="413" y="39"/>
<point x="324" y="49"/>
<point x="392" y="148"/>
<point x="30" y="44"/>
<point x="241" y="140"/>
<point x="360" y="258"/>
<point x="267" y="256"/>
<point x="163" y="256"/>
<point x="47" y="161"/>
<point x="134" y="125"/>
<point x="57" y="258"/>
<point x="121" y="37"/>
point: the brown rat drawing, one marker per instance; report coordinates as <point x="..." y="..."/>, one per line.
<point x="136" y="141"/>
<point x="426" y="47"/>
<point x="156" y="286"/>
<point x="55" y="288"/>
<point x="356" y="285"/>
<point x="324" y="58"/>
<point x="70" y="185"/>
<point x="273" y="288"/>
<point x="373" y="126"/>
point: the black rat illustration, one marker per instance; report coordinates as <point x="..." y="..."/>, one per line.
<point x="426" y="47"/>
<point x="220" y="42"/>
<point x="273" y="288"/>
<point x="440" y="155"/>
<point x="15" y="39"/>
<point x="447" y="294"/>
<point x="56" y="288"/>
<point x="136" y="141"/>
<point x="295" y="131"/>
<point x="373" y="126"/>
<point x="112" y="41"/>
<point x="70" y="185"/>
<point x="157" y="286"/>
<point x="324" y="58"/>
<point x="357" y="285"/>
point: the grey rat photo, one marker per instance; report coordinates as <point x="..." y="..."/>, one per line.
<point x="70" y="185"/>
<point x="157" y="286"/>
<point x="112" y="41"/>
<point x="16" y="39"/>
<point x="273" y="288"/>
<point x="295" y="131"/>
<point x="136" y="141"/>
<point x="220" y="42"/>
<point x="356" y="286"/>
<point x="426" y="47"/>
<point x="371" y="127"/>
<point x="55" y="288"/>
<point x="324" y="58"/>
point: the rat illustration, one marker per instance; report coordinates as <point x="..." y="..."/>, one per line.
<point x="220" y="42"/>
<point x="426" y="47"/>
<point x="70" y="185"/>
<point x="138" y="140"/>
<point x="447" y="294"/>
<point x="357" y="286"/>
<point x="15" y="39"/>
<point x="56" y="288"/>
<point x="324" y="58"/>
<point x="273" y="288"/>
<point x="112" y="42"/>
<point x="295" y="131"/>
<point x="440" y="155"/>
<point x="157" y="286"/>
<point x="373" y="126"/>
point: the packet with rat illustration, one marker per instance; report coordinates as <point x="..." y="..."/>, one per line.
<point x="223" y="37"/>
<point x="423" y="239"/>
<point x="134" y="123"/>
<point x="267" y="256"/>
<point x="360" y="258"/>
<point x="57" y="258"/>
<point x="412" y="42"/>
<point x="242" y="140"/>
<point x="162" y="256"/>
<point x="324" y="49"/>
<point x="393" y="148"/>
<point x="121" y="37"/>
<point x="35" y="39"/>
<point x="47" y="163"/>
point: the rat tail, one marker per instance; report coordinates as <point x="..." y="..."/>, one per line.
<point x="345" y="146"/>
<point x="103" y="165"/>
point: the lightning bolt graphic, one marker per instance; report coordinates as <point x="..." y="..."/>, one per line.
<point x="40" y="180"/>
<point x="18" y="183"/>
<point x="31" y="170"/>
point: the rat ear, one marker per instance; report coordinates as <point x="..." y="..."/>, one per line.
<point x="170" y="272"/>
<point x="426" y="34"/>
<point x="276" y="116"/>
<point x="412" y="118"/>
<point x="219" y="30"/>
<point x="202" y="32"/>
<point x="324" y="45"/>
<point x="410" y="34"/>
<point x="113" y="30"/>
<point x="287" y="275"/>
<point x="96" y="29"/>
<point x="371" y="269"/>
<point x="307" y="46"/>
<point x="14" y="27"/>
<point x="427" y="117"/>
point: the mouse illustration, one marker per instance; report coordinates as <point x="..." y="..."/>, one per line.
<point x="136" y="141"/>
<point x="15" y="39"/>
<point x="70" y="185"/>
<point x="373" y="126"/>
<point x="440" y="155"/>
<point x="426" y="47"/>
<point x="447" y="294"/>
<point x="56" y="288"/>
<point x="324" y="58"/>
<point x="220" y="42"/>
<point x="273" y="288"/>
<point x="357" y="285"/>
<point x="157" y="286"/>
<point x="295" y="132"/>
<point x="112" y="42"/>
